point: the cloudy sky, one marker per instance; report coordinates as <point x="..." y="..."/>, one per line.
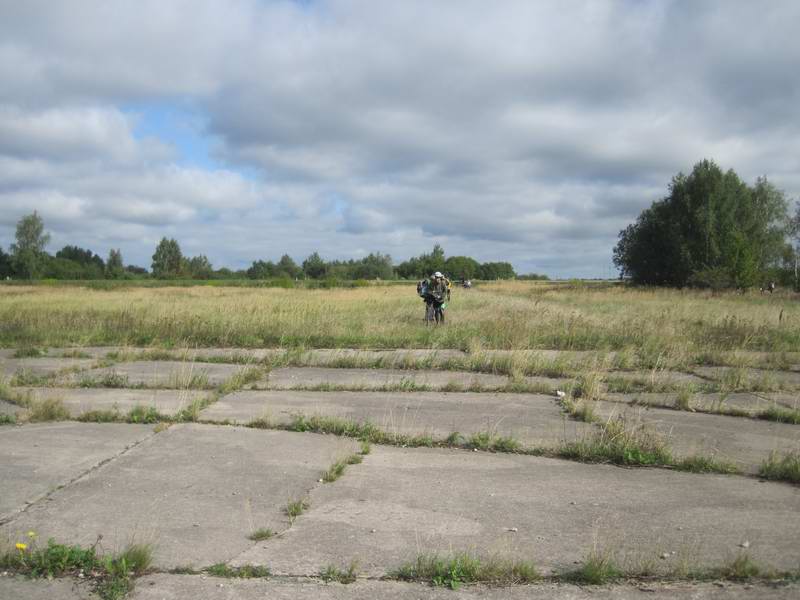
<point x="527" y="131"/>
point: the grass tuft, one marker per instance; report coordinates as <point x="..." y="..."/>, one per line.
<point x="259" y="535"/>
<point x="621" y="442"/>
<point x="599" y="568"/>
<point x="295" y="508"/>
<point x="48" y="409"/>
<point x="781" y="468"/>
<point x="781" y="415"/>
<point x="464" y="568"/>
<point x="243" y="572"/>
<point x="335" y="574"/>
<point x="741" y="568"/>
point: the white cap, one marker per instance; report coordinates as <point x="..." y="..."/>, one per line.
<point x="437" y="274"/>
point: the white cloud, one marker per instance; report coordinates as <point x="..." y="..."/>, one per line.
<point x="529" y="131"/>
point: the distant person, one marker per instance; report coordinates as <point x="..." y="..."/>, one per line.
<point x="435" y="291"/>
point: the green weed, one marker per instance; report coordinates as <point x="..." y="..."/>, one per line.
<point x="333" y="573"/>
<point x="260" y="535"/>
<point x="295" y="508"/>
<point x="463" y="568"/>
<point x="243" y="572"/>
<point x="781" y="468"/>
<point x="781" y="415"/>
<point x="599" y="568"/>
<point x="47" y="409"/>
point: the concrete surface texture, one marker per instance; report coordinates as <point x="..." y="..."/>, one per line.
<point x="790" y="378"/>
<point x="38" y="458"/>
<point x="745" y="442"/>
<point x="403" y="502"/>
<point x="169" y="373"/>
<point x="42" y="366"/>
<point x="81" y="400"/>
<point x="304" y="377"/>
<point x="194" y="491"/>
<point x="20" y="588"/>
<point x="534" y="420"/>
<point x="183" y="587"/>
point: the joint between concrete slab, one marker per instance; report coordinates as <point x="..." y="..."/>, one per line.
<point x="90" y="470"/>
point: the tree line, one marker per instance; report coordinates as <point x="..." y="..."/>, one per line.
<point x="712" y="230"/>
<point x="28" y="259"/>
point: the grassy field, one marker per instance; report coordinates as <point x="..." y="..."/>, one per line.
<point x="666" y="326"/>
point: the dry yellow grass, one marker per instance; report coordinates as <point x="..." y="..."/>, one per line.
<point x="658" y="328"/>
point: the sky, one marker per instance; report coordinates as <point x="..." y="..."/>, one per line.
<point x="531" y="132"/>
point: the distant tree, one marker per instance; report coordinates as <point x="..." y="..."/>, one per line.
<point x="262" y="270"/>
<point x="167" y="260"/>
<point x="134" y="270"/>
<point x="286" y="267"/>
<point x="28" y="253"/>
<point x="6" y="266"/>
<point x="373" y="266"/>
<point x="63" y="268"/>
<point x="314" y="267"/>
<point x="115" y="269"/>
<point x="87" y="258"/>
<point x="496" y="270"/>
<point x="199" y="267"/>
<point x="461" y="267"/>
<point x="533" y="277"/>
<point x="710" y="230"/>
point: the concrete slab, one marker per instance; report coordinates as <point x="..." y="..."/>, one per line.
<point x="533" y="420"/>
<point x="789" y="400"/>
<point x="43" y="589"/>
<point x="402" y="502"/>
<point x="656" y="377"/>
<point x="173" y="374"/>
<point x="36" y="459"/>
<point x="745" y="442"/>
<point x="181" y="587"/>
<point x="741" y="401"/>
<point x="81" y="400"/>
<point x="42" y="366"/>
<point x="6" y="408"/>
<point x="310" y="377"/>
<point x="764" y="376"/>
<point x="194" y="491"/>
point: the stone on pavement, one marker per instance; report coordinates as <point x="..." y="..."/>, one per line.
<point x="745" y="442"/>
<point x="400" y="503"/>
<point x="194" y="491"/>
<point x="531" y="419"/>
<point x="81" y="400"/>
<point x="21" y="588"/>
<point x="308" y="377"/>
<point x="168" y="373"/>
<point x="36" y="459"/>
<point x="185" y="587"/>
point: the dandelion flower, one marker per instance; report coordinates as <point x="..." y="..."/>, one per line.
<point x="21" y="546"/>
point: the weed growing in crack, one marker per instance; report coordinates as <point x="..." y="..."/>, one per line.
<point x="111" y="576"/>
<point x="335" y="574"/>
<point x="243" y="572"/>
<point x="620" y="442"/>
<point x="259" y="535"/>
<point x="781" y="468"/>
<point x="295" y="508"/>
<point x="781" y="415"/>
<point x="461" y="568"/>
<point x="47" y="409"/>
<point x="599" y="568"/>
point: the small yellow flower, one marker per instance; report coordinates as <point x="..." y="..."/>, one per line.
<point x="21" y="546"/>
<point x="31" y="534"/>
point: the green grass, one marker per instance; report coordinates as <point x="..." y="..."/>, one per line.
<point x="259" y="535"/>
<point x="599" y="568"/>
<point x="295" y="508"/>
<point x="106" y="380"/>
<point x="111" y="576"/>
<point x="740" y="568"/>
<point x="464" y="568"/>
<point x="8" y="419"/>
<point x="706" y="464"/>
<point x="28" y="352"/>
<point x="784" y="467"/>
<point x="780" y="414"/>
<point x="243" y="572"/>
<point x="47" y="409"/>
<point x="620" y="442"/>
<point x="332" y="573"/>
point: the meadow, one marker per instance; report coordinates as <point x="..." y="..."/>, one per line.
<point x="672" y="327"/>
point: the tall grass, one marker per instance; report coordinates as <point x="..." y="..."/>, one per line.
<point x="656" y="327"/>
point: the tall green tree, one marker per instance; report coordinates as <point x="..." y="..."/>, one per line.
<point x="6" y="267"/>
<point x="167" y="260"/>
<point x="199" y="267"/>
<point x="710" y="229"/>
<point x="314" y="267"/>
<point x="28" y="255"/>
<point x="115" y="268"/>
<point x="286" y="267"/>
